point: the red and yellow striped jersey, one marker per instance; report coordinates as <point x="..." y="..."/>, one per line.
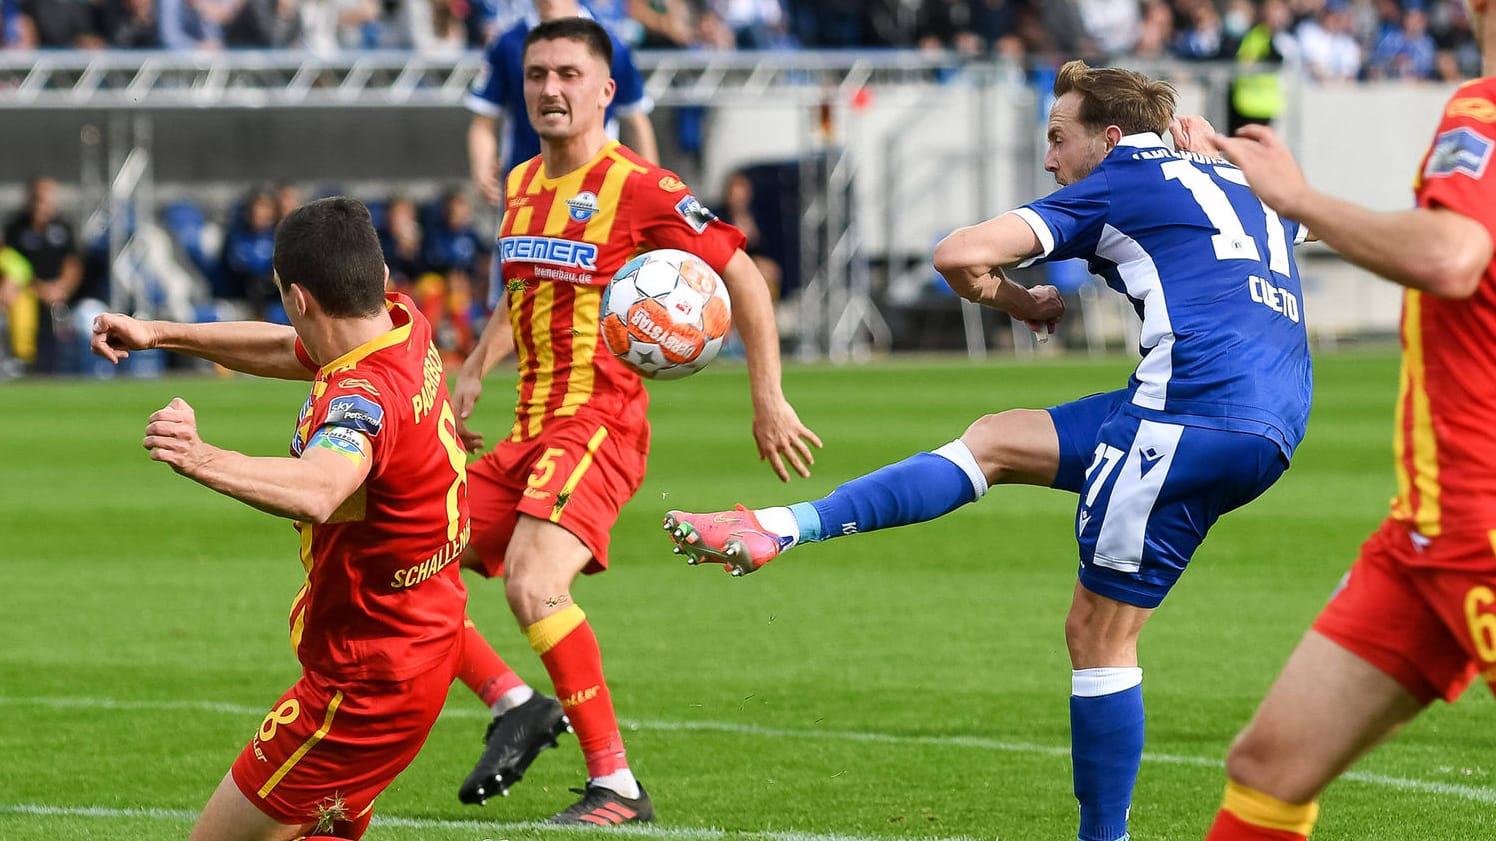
<point x="382" y="598"/>
<point x="1444" y="442"/>
<point x="561" y="241"/>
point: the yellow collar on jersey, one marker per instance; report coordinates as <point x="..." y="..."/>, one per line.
<point x="388" y="339"/>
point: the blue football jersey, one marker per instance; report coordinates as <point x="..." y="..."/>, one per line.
<point x="499" y="90"/>
<point x="1209" y="269"/>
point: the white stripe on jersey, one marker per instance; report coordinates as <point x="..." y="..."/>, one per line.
<point x="1140" y="277"/>
<point x="1041" y="230"/>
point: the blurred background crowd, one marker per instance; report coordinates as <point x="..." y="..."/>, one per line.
<point x="215" y="264"/>
<point x="1329" y="39"/>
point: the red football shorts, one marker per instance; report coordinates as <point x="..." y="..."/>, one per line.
<point x="328" y="748"/>
<point x="577" y="473"/>
<point x="1422" y="610"/>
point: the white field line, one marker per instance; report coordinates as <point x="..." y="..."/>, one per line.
<point x="485" y="829"/>
<point x="1477" y="794"/>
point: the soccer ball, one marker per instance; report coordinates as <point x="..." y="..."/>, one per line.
<point x="666" y="314"/>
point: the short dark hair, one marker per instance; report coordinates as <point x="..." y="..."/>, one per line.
<point x="329" y="247"/>
<point x="589" y="32"/>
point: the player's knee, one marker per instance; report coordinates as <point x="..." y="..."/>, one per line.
<point x="989" y="440"/>
<point x="532" y="592"/>
<point x="1250" y="762"/>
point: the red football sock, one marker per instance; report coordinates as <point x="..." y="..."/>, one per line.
<point x="1229" y="827"/>
<point x="568" y="649"/>
<point x="481" y="668"/>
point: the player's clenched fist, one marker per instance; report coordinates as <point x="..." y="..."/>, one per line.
<point x="115" y="335"/>
<point x="171" y="436"/>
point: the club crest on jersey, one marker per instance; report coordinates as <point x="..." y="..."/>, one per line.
<point x="1459" y="150"/>
<point x="695" y="213"/>
<point x="582" y="205"/>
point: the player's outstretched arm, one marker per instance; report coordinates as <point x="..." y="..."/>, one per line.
<point x="309" y="489"/>
<point x="496" y="343"/>
<point x="253" y="347"/>
<point x="971" y="260"/>
<point x="1435" y="250"/>
<point x="777" y="429"/>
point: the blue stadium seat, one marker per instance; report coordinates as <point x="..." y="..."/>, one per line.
<point x="185" y="222"/>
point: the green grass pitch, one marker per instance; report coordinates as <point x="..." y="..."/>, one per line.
<point x="905" y="684"/>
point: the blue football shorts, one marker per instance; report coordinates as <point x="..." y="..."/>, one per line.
<point x="1150" y="490"/>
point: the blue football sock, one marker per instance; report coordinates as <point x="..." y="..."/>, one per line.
<point x="1106" y="746"/>
<point x="919" y="488"/>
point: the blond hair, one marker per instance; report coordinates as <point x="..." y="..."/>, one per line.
<point x="1111" y="96"/>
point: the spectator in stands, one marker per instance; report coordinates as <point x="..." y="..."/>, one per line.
<point x="130" y="24"/>
<point x="738" y="210"/>
<point x="262" y="24"/>
<point x="1256" y="93"/>
<point x="712" y="33"/>
<point x="941" y="26"/>
<point x="667" y="23"/>
<point x="499" y="93"/>
<point x="1156" y="31"/>
<point x="39" y="234"/>
<point x="1060" y="29"/>
<point x="16" y="29"/>
<point x="1329" y="50"/>
<point x="827" y="23"/>
<point x="63" y="23"/>
<point x="328" y="26"/>
<point x="1114" y="26"/>
<point x="194" y="24"/>
<point x="1407" y="52"/>
<point x="996" y="23"/>
<point x="400" y="239"/>
<point x="1204" y="38"/>
<point x="287" y="198"/>
<point x="17" y="337"/>
<point x="755" y="24"/>
<point x="248" y="276"/>
<point x="1459" y="55"/>
<point x="455" y="260"/>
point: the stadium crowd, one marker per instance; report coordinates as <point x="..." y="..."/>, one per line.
<point x="54" y="280"/>
<point x="1329" y="39"/>
<point x="54" y="277"/>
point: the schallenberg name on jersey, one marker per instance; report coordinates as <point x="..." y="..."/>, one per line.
<point x="1210" y="271"/>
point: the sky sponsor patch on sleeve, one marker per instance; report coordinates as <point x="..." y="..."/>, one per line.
<point x="352" y="411"/>
<point x="1459" y="150"/>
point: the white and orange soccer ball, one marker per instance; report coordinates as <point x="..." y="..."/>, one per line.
<point x="666" y="314"/>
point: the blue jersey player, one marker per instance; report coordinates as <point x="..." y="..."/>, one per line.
<point x="1207" y="422"/>
<point x="498" y="93"/>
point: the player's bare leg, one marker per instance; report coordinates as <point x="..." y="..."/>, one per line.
<point x="229" y="816"/>
<point x="543" y="559"/>
<point x="1019" y="446"/>
<point x="1326" y="709"/>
